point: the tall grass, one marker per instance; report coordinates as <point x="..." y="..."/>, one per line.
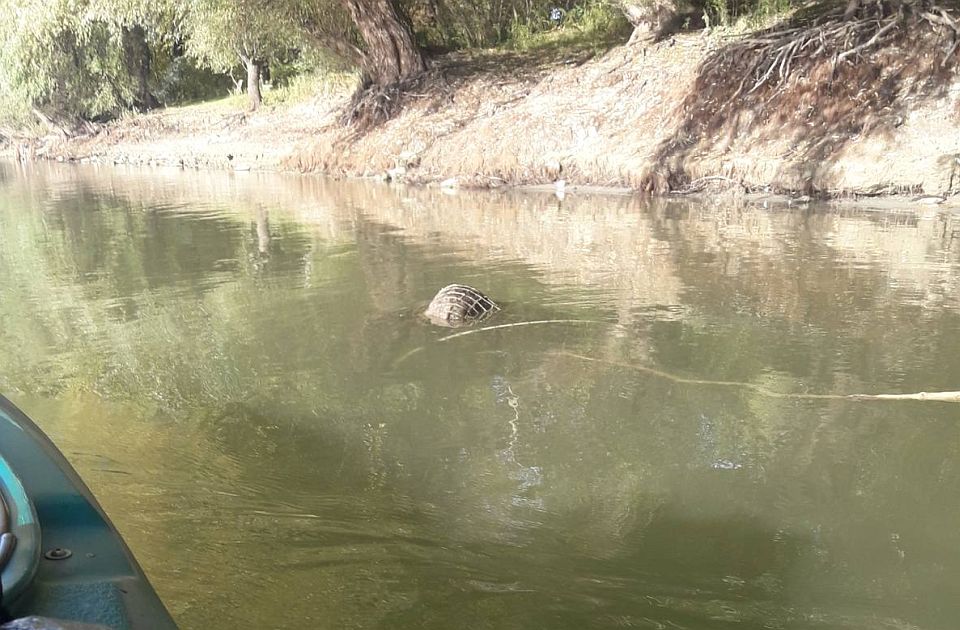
<point x="312" y="85"/>
<point x="746" y="14"/>
<point x="593" y="22"/>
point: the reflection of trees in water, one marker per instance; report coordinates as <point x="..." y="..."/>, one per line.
<point x="835" y="320"/>
<point x="792" y="314"/>
<point x="158" y="296"/>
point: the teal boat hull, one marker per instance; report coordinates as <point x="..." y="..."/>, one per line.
<point x="68" y="561"/>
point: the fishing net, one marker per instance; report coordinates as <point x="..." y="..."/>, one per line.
<point x="460" y="305"/>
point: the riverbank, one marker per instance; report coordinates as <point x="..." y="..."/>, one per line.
<point x="644" y="117"/>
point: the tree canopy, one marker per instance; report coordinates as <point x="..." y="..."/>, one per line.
<point x="221" y="33"/>
<point x="76" y="60"/>
<point x="72" y="57"/>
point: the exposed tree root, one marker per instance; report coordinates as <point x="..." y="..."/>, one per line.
<point x="65" y="126"/>
<point x="821" y="80"/>
<point x="836" y="35"/>
<point x="373" y="104"/>
<point x="713" y="183"/>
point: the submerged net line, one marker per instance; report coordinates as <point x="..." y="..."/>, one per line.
<point x="953" y="397"/>
<point x="950" y="397"/>
<point x="474" y="331"/>
<point x="537" y="322"/>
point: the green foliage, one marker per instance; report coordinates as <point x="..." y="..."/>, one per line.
<point x="308" y="63"/>
<point x="221" y="32"/>
<point x="719" y="10"/>
<point x="303" y="87"/>
<point x="183" y="82"/>
<point x="92" y="59"/>
<point x="55" y="57"/>
<point x="596" y="17"/>
<point x="306" y="74"/>
<point x="80" y="59"/>
<point x="750" y="12"/>
<point x="593" y="22"/>
<point x="514" y="23"/>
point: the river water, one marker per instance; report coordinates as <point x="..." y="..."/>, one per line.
<point x="237" y="366"/>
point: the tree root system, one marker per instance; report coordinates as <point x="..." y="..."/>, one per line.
<point x="712" y="183"/>
<point x="373" y="104"/>
<point x="839" y="36"/>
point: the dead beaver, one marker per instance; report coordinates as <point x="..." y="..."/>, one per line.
<point x="459" y="305"/>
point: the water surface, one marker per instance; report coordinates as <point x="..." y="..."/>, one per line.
<point x="236" y="365"/>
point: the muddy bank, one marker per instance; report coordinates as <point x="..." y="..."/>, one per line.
<point x="641" y="117"/>
<point x="216" y="135"/>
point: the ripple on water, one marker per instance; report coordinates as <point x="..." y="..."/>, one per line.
<point x="239" y="368"/>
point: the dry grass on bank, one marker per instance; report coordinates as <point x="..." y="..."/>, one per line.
<point x="213" y="134"/>
<point x="657" y="117"/>
<point x="825" y="96"/>
<point x="495" y="118"/>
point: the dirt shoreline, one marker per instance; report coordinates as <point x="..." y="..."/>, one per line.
<point x="497" y="119"/>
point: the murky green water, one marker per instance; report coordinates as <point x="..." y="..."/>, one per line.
<point x="236" y="365"/>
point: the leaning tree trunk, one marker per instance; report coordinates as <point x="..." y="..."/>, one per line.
<point x="391" y="54"/>
<point x="137" y="58"/>
<point x="851" y="10"/>
<point x="650" y="18"/>
<point x="253" y="81"/>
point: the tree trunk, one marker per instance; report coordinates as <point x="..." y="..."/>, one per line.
<point x="851" y="10"/>
<point x="60" y="130"/>
<point x="651" y="19"/>
<point x="391" y="55"/>
<point x="253" y="82"/>
<point x="137" y="58"/>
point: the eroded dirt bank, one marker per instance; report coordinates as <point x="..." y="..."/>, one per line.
<point x="646" y="117"/>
